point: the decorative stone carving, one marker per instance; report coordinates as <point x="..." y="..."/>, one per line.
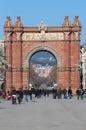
<point x="18" y="35"/>
<point x="77" y="35"/>
<point x="7" y="36"/>
<point x="76" y="21"/>
<point x="8" y="22"/>
<point x="66" y="21"/>
<point x="42" y="36"/>
<point x="66" y="35"/>
<point x="42" y="26"/>
<point x="18" y="22"/>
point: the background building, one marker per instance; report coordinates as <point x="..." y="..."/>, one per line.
<point x="83" y="63"/>
<point x="2" y="64"/>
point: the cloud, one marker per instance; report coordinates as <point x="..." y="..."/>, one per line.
<point x="51" y="59"/>
<point x="42" y="58"/>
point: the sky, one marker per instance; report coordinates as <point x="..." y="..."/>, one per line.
<point x="43" y="57"/>
<point x="51" y="12"/>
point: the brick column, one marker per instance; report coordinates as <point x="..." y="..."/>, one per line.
<point x="25" y="78"/>
<point x="8" y="28"/>
<point x="18" y="29"/>
<point x="17" y="60"/>
<point x="67" y="64"/>
<point x="9" y="62"/>
<point x="19" y="72"/>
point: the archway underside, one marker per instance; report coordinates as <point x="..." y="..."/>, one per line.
<point x="40" y="48"/>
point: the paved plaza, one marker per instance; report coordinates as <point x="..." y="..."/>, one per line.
<point x="45" y="113"/>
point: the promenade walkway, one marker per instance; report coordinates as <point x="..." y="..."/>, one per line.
<point x="44" y="114"/>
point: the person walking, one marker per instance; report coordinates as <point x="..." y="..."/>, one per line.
<point x="19" y="95"/>
<point x="70" y="92"/>
<point x="26" y="94"/>
<point x="81" y="93"/>
<point x="64" y="92"/>
<point x="33" y="94"/>
<point x="78" y="93"/>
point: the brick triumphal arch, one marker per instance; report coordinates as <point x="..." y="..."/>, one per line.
<point x="22" y="42"/>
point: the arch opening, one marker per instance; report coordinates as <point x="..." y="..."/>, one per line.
<point x="43" y="69"/>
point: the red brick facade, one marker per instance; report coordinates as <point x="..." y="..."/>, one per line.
<point x="63" y="42"/>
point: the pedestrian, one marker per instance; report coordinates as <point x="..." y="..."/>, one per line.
<point x="26" y="93"/>
<point x="59" y="93"/>
<point x="3" y="94"/>
<point x="33" y="94"/>
<point x="64" y="92"/>
<point x="19" y="95"/>
<point x="70" y="92"/>
<point x="81" y="93"/>
<point x="78" y="93"/>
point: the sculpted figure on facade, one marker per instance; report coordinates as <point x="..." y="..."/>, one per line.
<point x="76" y="21"/>
<point x="8" y="22"/>
<point x="66" y="21"/>
<point x="42" y="26"/>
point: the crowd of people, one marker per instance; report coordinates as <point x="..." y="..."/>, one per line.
<point x="68" y="94"/>
<point x="32" y="93"/>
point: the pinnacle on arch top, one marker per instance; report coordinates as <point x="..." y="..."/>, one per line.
<point x="18" y="23"/>
<point x="8" y="22"/>
<point x="42" y="26"/>
<point x="18" y="18"/>
<point x="66" y="21"/>
<point x="8" y="18"/>
<point x="76" y="21"/>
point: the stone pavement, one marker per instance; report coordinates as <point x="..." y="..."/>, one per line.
<point x="44" y="114"/>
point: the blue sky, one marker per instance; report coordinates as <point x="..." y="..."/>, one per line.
<point x="52" y="12"/>
<point x="43" y="57"/>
